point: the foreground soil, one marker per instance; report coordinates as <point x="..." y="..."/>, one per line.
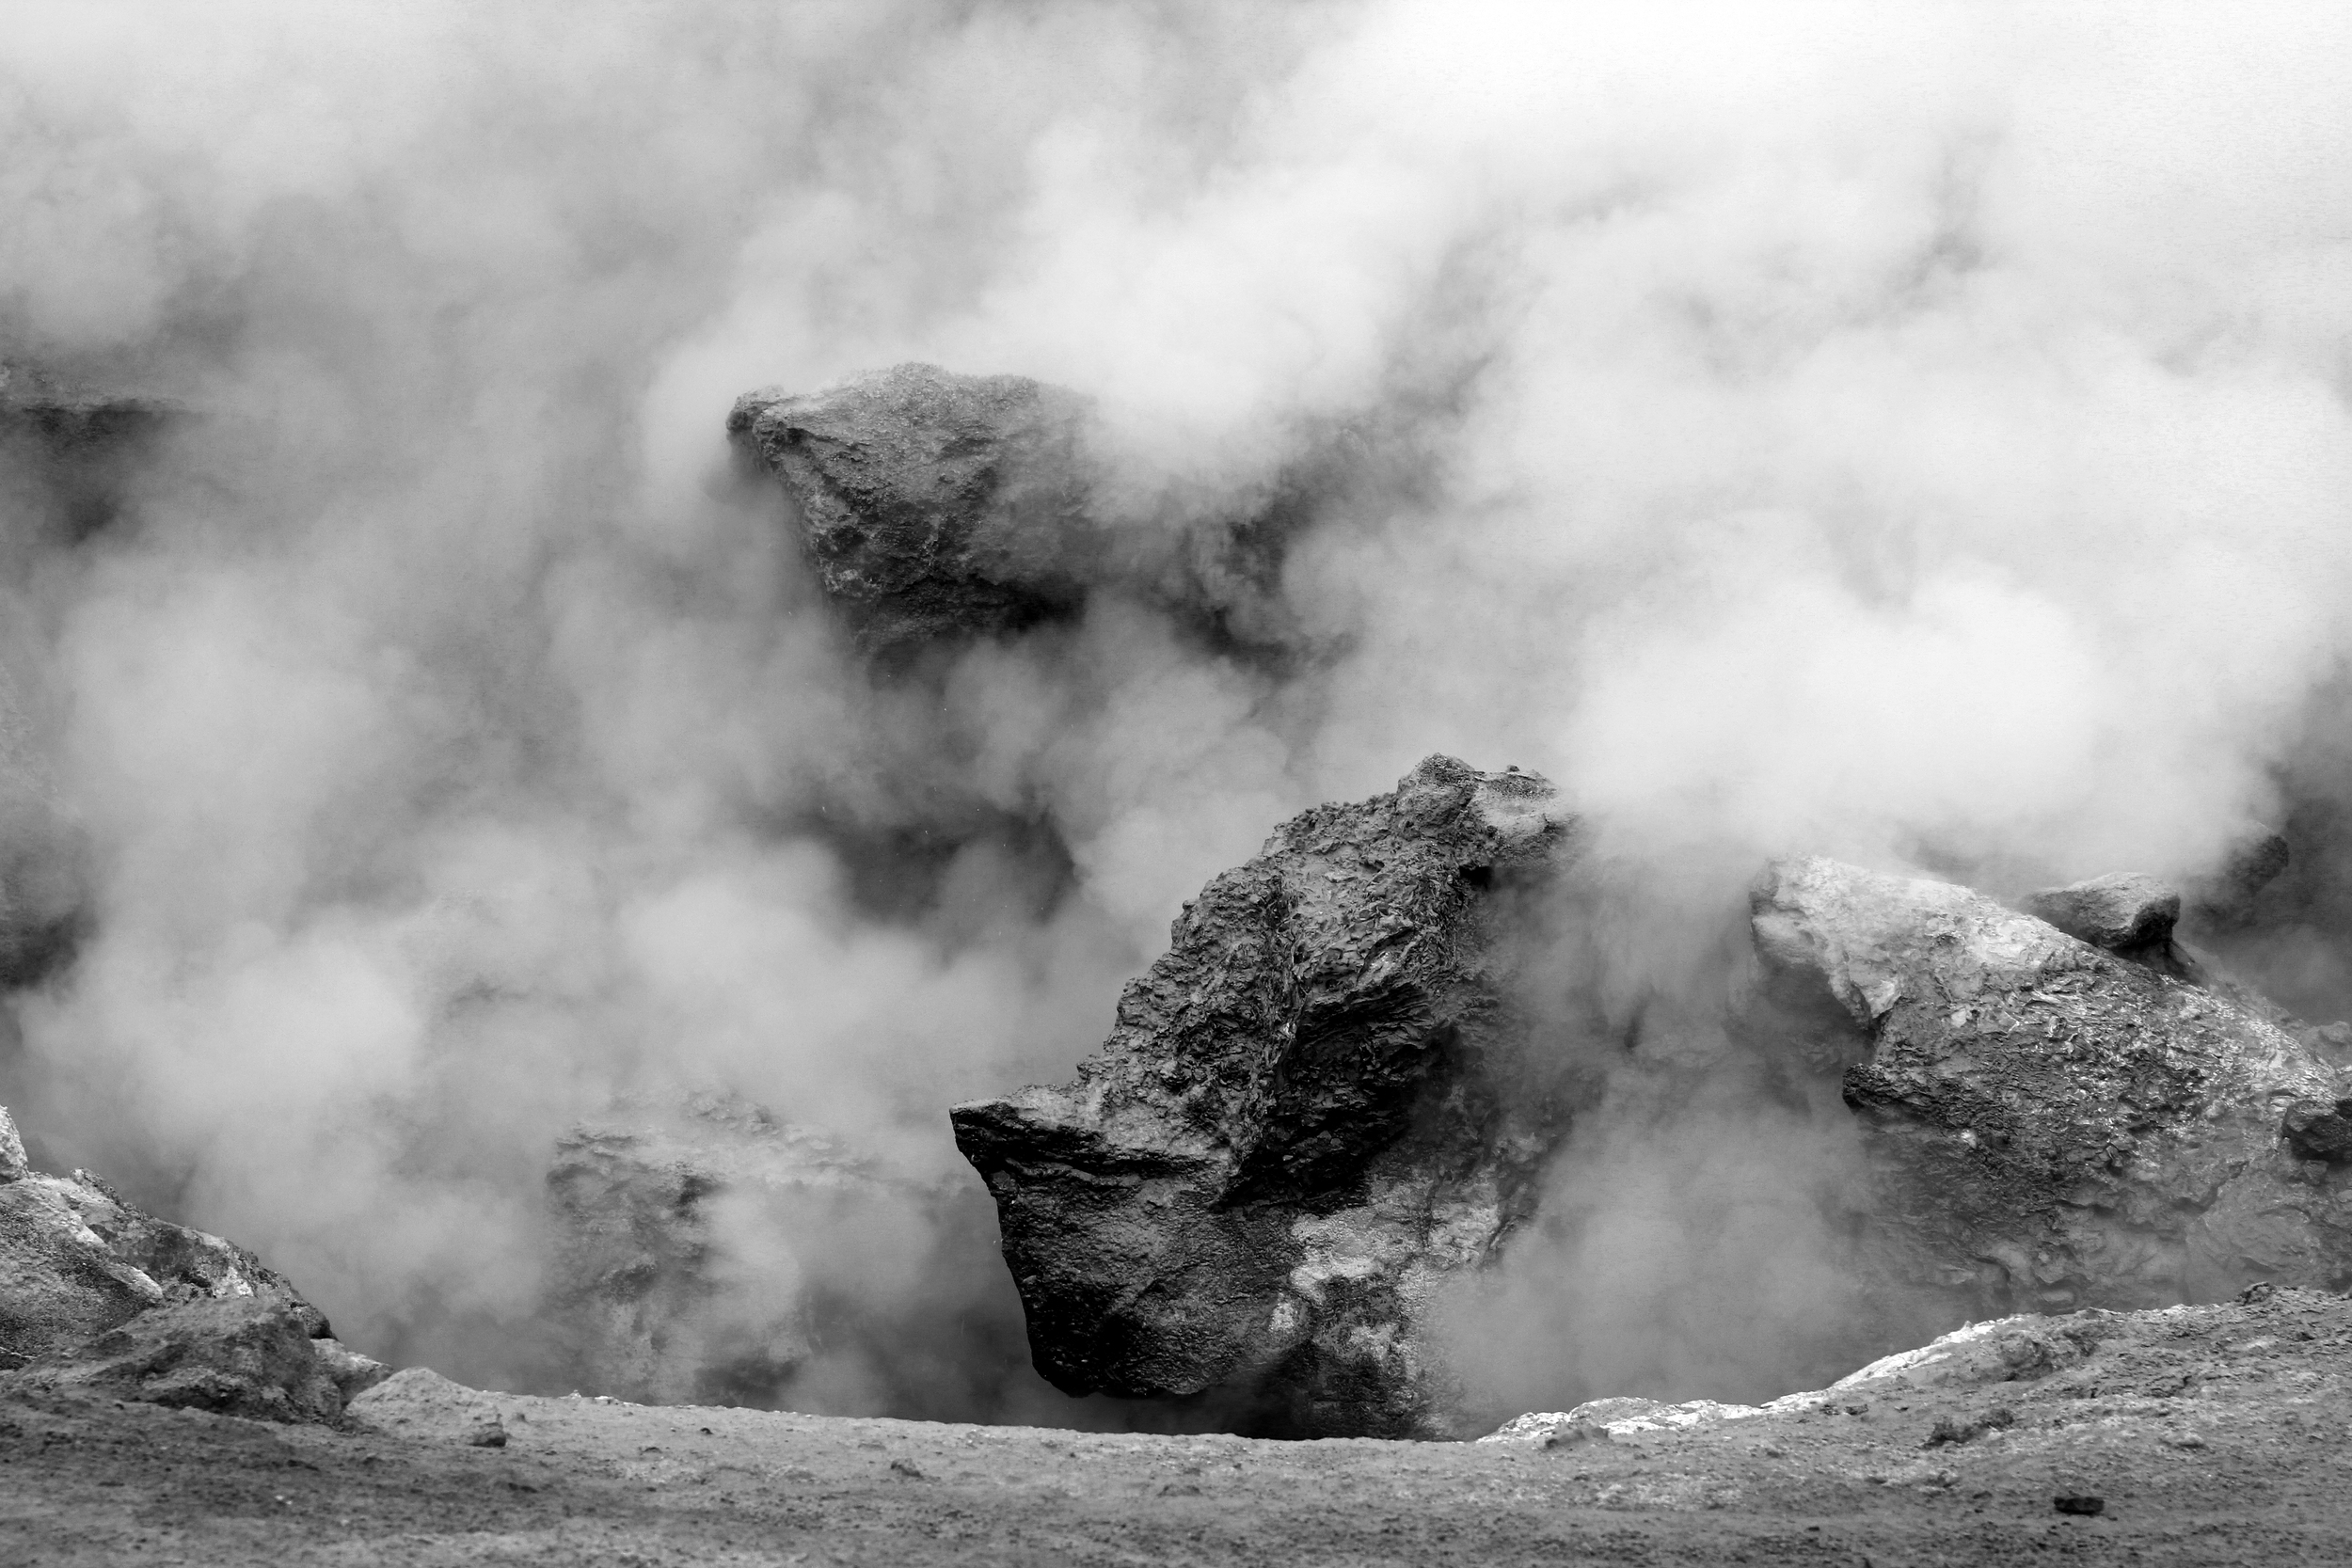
<point x="2212" y="1434"/>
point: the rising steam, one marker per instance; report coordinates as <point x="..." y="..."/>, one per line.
<point x="1918" y="435"/>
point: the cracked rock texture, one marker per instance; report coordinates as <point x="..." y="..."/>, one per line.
<point x="1311" y="1114"/>
<point x="2052" y="1126"/>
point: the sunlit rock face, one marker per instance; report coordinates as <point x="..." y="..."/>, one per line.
<point x="76" y="1260"/>
<point x="1311" y="1114"/>
<point x="96" y="1295"/>
<point x="2052" y="1126"/>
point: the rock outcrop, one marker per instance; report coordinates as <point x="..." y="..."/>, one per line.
<point x="939" y="507"/>
<point x="2052" y="1126"/>
<point x="93" y="1292"/>
<point x="1311" y="1113"/>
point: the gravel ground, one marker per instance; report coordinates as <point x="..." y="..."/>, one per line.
<point x="2211" y="1434"/>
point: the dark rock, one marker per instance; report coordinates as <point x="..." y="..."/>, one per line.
<point x="2051" y="1128"/>
<point x="940" y="507"/>
<point x="1311" y="1113"/>
<point x="76" y="1260"/>
<point x="2125" y="912"/>
<point x="2081" y="1503"/>
<point x="934" y="504"/>
<point x="2226" y="898"/>
<point x="241" y="1355"/>
<point x="2319" y="1130"/>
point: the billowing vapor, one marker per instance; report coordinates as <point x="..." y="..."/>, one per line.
<point x="1920" y="435"/>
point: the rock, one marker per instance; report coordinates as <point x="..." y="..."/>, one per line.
<point x="74" y="443"/>
<point x="241" y="1355"/>
<point x="2050" y="1126"/>
<point x="76" y="1260"/>
<point x="1311" y="1114"/>
<point x="2226" y="898"/>
<point x="939" y="507"/>
<point x="2319" y="1130"/>
<point x="1621" y="1417"/>
<point x="2126" y="912"/>
<point x="934" y="504"/>
<point x="418" y="1401"/>
<point x="687" y="1246"/>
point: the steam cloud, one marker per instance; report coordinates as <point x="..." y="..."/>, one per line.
<point x="1918" y="434"/>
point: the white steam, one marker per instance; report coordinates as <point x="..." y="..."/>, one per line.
<point x="1892" y="432"/>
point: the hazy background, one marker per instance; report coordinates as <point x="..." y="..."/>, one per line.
<point x="1912" y="433"/>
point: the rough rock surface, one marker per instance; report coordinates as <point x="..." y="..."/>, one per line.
<point x="939" y="507"/>
<point x="1309" y="1114"/>
<point x="76" y="1260"/>
<point x="253" y="1356"/>
<point x="2052" y="1126"/>
<point x="2128" y="912"/>
<point x="934" y="504"/>
<point x="96" y="1295"/>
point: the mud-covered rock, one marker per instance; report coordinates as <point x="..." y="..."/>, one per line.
<point x="2127" y="912"/>
<point x="253" y="1356"/>
<point x="2050" y="1126"/>
<point x="76" y="1260"/>
<point x="1311" y="1114"/>
<point x="938" y="507"/>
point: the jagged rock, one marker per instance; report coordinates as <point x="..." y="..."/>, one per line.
<point x="1311" y="1113"/>
<point x="940" y="507"/>
<point x="2127" y="912"/>
<point x="253" y="1356"/>
<point x="2051" y="1127"/>
<point x="76" y="1260"/>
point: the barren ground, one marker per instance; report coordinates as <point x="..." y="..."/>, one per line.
<point x="2214" y="1435"/>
